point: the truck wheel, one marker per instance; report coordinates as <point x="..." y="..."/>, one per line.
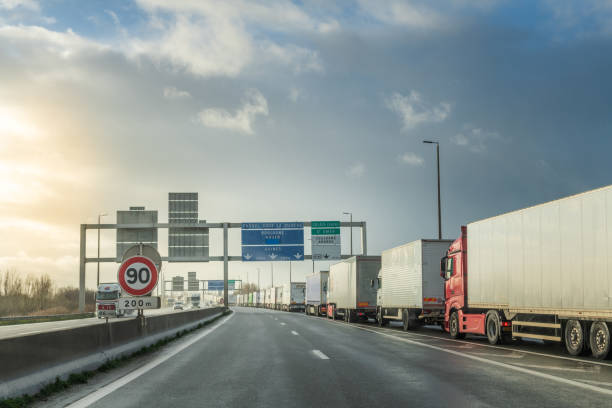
<point x="406" y="323"/>
<point x="600" y="340"/>
<point x="379" y="318"/>
<point x="493" y="327"/>
<point x="453" y="327"/>
<point x="574" y="337"/>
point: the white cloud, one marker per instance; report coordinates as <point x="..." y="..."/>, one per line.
<point x="295" y="94"/>
<point x="199" y="45"/>
<point x="301" y="59"/>
<point x="411" y="159"/>
<point x="475" y="139"/>
<point x="403" y="12"/>
<point x="413" y="111"/>
<point x="171" y="92"/>
<point x="211" y="38"/>
<point x="113" y="16"/>
<point x="253" y="104"/>
<point x="330" y="26"/>
<point x="356" y="170"/>
<point x="13" y="4"/>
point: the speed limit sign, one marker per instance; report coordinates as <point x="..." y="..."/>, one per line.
<point x="137" y="275"/>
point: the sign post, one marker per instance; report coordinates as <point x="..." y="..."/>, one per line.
<point x="138" y="276"/>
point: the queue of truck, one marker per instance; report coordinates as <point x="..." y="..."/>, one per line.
<point x="544" y="272"/>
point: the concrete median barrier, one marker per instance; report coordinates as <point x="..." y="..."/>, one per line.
<point x="28" y="363"/>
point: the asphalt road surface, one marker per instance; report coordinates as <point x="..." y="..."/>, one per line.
<point x="18" y="330"/>
<point x="262" y="358"/>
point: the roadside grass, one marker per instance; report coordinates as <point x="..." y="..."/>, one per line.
<point x="45" y="319"/>
<point x="83" y="377"/>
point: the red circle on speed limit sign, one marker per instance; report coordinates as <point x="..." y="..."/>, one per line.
<point x="137" y="275"/>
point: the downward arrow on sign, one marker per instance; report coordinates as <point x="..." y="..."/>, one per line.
<point x="298" y="255"/>
<point x="273" y="256"/>
<point x="248" y="256"/>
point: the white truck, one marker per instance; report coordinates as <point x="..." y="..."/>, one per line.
<point x="107" y="300"/>
<point x="409" y="284"/>
<point x="195" y="300"/>
<point x="278" y="298"/>
<point x="270" y="298"/>
<point x="316" y="293"/>
<point x="293" y="296"/>
<point x="353" y="283"/>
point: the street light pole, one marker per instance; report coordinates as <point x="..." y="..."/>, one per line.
<point x="98" y="274"/>
<point x="351" y="215"/>
<point x="439" y="205"/>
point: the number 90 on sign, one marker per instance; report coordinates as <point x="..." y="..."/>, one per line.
<point x="137" y="276"/>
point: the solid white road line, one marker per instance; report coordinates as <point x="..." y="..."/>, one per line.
<point x="498" y="364"/>
<point x="469" y="344"/>
<point x="109" y="388"/>
<point x="319" y="354"/>
<point x="294" y="333"/>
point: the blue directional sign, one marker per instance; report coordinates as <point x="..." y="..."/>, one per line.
<point x="273" y="241"/>
<point x="218" y="285"/>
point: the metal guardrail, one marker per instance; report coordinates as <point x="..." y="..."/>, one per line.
<point x="57" y="316"/>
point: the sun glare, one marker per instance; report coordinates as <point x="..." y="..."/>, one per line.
<point x="14" y="123"/>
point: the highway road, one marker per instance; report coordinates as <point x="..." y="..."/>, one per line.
<point x="26" y="329"/>
<point x="262" y="358"/>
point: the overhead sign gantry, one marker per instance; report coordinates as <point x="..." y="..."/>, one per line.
<point x="292" y="242"/>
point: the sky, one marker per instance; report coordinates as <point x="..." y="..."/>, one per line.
<point x="284" y="110"/>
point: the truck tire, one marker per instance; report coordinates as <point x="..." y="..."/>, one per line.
<point x="599" y="340"/>
<point x="493" y="327"/>
<point x="453" y="326"/>
<point x="379" y="318"/>
<point x="574" y="337"/>
<point x="407" y="324"/>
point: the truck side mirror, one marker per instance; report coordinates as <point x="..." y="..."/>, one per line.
<point x="443" y="268"/>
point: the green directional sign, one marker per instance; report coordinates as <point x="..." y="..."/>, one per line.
<point x="325" y="231"/>
<point x="325" y="240"/>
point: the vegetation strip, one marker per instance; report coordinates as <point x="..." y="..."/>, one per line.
<point x="83" y="377"/>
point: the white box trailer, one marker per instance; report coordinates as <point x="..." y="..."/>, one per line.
<point x="261" y="298"/>
<point x="410" y="286"/>
<point x="542" y="272"/>
<point x="316" y="293"/>
<point x="352" y="288"/>
<point x="270" y="298"/>
<point x="293" y="296"/>
<point x="278" y="299"/>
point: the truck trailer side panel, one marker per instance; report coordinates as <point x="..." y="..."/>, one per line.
<point x="352" y="282"/>
<point x="411" y="273"/>
<point x="554" y="257"/>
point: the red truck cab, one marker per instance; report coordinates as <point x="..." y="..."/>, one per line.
<point x="457" y="319"/>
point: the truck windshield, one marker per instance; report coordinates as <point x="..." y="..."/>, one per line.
<point x="107" y="295"/>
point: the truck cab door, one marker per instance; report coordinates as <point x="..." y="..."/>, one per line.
<point x="454" y="278"/>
